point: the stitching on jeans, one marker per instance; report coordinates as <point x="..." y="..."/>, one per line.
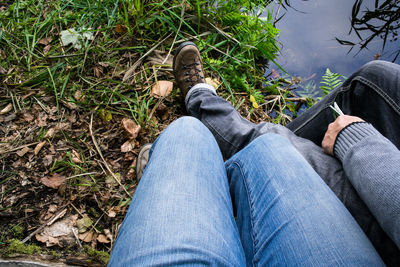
<point x="237" y="163"/>
<point x="361" y="79"/>
<point x="380" y="92"/>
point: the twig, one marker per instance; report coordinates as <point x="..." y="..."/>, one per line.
<point x="76" y="236"/>
<point x="18" y="148"/>
<point x="101" y="156"/>
<point x="48" y="222"/>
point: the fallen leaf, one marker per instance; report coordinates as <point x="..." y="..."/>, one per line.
<point x="103" y="239"/>
<point x="45" y="41"/>
<point x="105" y="115"/>
<point x="111" y="213"/>
<point x="52" y="208"/>
<point x="75" y="157"/>
<point x="86" y="236"/>
<point x="131" y="127"/>
<point x="23" y="151"/>
<point x="128" y="146"/>
<point x="108" y="234"/>
<point x="60" y="233"/>
<point x="54" y="181"/>
<point x="47" y="160"/>
<point x="98" y="71"/>
<point x="28" y="117"/>
<point x="69" y="105"/>
<point x="46" y="49"/>
<point x="78" y="95"/>
<point x="50" y="133"/>
<point x="213" y="82"/>
<point x="71" y="36"/>
<point x="120" y="28"/>
<point x="6" y="109"/>
<point x="103" y="64"/>
<point x="162" y="89"/>
<point x="253" y="101"/>
<point x="84" y="223"/>
<point x="110" y="180"/>
<point x="39" y="147"/>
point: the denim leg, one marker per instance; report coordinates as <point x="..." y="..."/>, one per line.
<point x="181" y="213"/>
<point x="233" y="133"/>
<point x="286" y="215"/>
<point x="372" y="93"/>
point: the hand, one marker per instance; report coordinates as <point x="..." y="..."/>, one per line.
<point x="333" y="130"/>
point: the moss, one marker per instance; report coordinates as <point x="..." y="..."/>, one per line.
<point x="18" y="230"/>
<point x="55" y="254"/>
<point x="97" y="255"/>
<point x="17" y="247"/>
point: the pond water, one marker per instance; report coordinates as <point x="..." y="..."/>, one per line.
<point x="308" y="32"/>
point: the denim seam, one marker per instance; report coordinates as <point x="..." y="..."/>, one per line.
<point x="380" y="92"/>
<point x="371" y="85"/>
<point x="237" y="163"/>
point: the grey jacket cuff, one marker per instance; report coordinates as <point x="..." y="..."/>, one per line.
<point x="351" y="135"/>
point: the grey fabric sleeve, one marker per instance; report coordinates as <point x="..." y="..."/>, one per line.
<point x="372" y="164"/>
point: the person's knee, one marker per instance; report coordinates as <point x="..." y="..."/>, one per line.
<point x="379" y="69"/>
<point x="187" y="123"/>
<point x="189" y="127"/>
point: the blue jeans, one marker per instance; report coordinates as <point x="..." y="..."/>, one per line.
<point x="372" y="93"/>
<point x="183" y="211"/>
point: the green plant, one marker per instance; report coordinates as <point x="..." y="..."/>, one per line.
<point x="330" y="81"/>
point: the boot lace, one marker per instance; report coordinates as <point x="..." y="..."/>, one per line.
<point x="189" y="76"/>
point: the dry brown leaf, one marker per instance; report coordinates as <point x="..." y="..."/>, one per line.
<point x="47" y="160"/>
<point x="23" y="151"/>
<point x="131" y="127"/>
<point x="108" y="234"/>
<point x="45" y="41"/>
<point x="103" y="239"/>
<point x="52" y="208"/>
<point x="69" y="105"/>
<point x="86" y="236"/>
<point x="28" y="117"/>
<point x="78" y="95"/>
<point x="46" y="49"/>
<point x="6" y="109"/>
<point x="98" y="71"/>
<point x="128" y="146"/>
<point x="59" y="233"/>
<point x="54" y="181"/>
<point x="162" y="89"/>
<point x="213" y="82"/>
<point x="103" y="64"/>
<point x="120" y="28"/>
<point x="111" y="213"/>
<point x="39" y="147"/>
<point x="75" y="157"/>
<point x="50" y="133"/>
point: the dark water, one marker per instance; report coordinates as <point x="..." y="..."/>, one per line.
<point x="309" y="45"/>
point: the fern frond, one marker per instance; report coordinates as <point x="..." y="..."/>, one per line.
<point x="330" y="81"/>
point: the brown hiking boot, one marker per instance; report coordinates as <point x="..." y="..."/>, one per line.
<point x="188" y="68"/>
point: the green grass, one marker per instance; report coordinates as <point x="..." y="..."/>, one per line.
<point x="43" y="77"/>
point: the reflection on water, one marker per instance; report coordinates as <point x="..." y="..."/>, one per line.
<point x="309" y="43"/>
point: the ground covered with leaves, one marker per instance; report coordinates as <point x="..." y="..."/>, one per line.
<point x="85" y="83"/>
